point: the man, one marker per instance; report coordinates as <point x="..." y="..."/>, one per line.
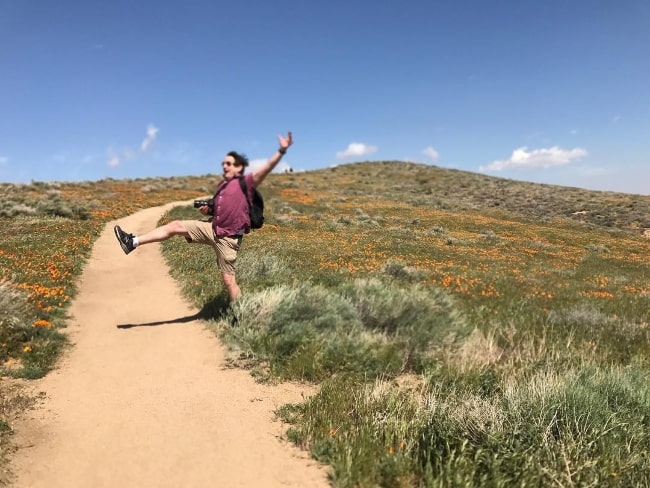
<point x="230" y="218"/>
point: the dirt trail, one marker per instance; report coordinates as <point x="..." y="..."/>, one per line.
<point x="151" y="405"/>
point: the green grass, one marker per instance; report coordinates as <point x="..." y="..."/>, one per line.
<point x="583" y="427"/>
<point x="464" y="330"/>
<point x="454" y="345"/>
<point x="46" y="234"/>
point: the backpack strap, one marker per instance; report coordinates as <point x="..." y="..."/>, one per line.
<point x="244" y="188"/>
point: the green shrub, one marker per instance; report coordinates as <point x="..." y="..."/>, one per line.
<point x="400" y="271"/>
<point x="256" y="270"/>
<point x="588" y="427"/>
<point x="419" y="319"/>
<point x="16" y="317"/>
<point x="306" y="332"/>
<point x="50" y="204"/>
<point x="37" y="347"/>
<point x="311" y="332"/>
<point x="624" y="338"/>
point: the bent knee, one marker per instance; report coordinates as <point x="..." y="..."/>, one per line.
<point x="177" y="227"/>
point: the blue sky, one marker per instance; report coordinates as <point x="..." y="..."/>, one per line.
<point x="552" y="92"/>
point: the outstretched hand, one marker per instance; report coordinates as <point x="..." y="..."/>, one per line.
<point x="285" y="142"/>
<point x="261" y="171"/>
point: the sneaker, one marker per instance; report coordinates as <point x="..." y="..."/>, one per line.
<point x="126" y="240"/>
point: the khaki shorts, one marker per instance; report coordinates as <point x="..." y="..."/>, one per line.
<point x="225" y="248"/>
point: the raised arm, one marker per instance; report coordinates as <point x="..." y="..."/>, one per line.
<point x="260" y="173"/>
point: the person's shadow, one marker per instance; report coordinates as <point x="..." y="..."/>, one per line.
<point x="216" y="308"/>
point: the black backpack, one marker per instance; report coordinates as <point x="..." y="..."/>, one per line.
<point x="256" y="207"/>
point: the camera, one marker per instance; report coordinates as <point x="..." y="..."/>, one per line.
<point x="203" y="203"/>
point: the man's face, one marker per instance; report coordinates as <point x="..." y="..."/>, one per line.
<point x="230" y="171"/>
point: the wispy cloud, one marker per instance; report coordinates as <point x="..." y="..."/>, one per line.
<point x="152" y="132"/>
<point x="431" y="152"/>
<point x="356" y="149"/>
<point x="537" y="158"/>
<point x="113" y="159"/>
<point x="4" y="159"/>
<point x="116" y="158"/>
<point x="616" y="119"/>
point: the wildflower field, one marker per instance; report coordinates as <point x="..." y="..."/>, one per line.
<point x="46" y="235"/>
<point x="464" y="330"/>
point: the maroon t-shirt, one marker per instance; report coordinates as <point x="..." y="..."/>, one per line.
<point x="230" y="216"/>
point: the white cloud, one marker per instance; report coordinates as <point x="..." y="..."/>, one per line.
<point x="4" y="159"/>
<point x="282" y="166"/>
<point x="152" y="132"/>
<point x="616" y="119"/>
<point x="431" y="152"/>
<point x="537" y="158"/>
<point x="113" y="159"/>
<point x="356" y="149"/>
<point x="256" y="163"/>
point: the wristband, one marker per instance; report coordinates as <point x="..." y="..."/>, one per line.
<point x="282" y="150"/>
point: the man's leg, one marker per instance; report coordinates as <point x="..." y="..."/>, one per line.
<point x="232" y="287"/>
<point x="233" y="295"/>
<point x="164" y="232"/>
<point x="226" y="249"/>
<point x="129" y="242"/>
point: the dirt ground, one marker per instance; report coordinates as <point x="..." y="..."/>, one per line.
<point x="151" y="405"/>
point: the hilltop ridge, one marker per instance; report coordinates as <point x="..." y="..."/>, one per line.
<point x="457" y="190"/>
<point x="417" y="184"/>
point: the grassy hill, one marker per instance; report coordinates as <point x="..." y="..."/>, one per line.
<point x="450" y="189"/>
<point x="417" y="184"/>
<point x="465" y="330"/>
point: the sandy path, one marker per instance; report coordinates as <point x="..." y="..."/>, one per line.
<point x="151" y="406"/>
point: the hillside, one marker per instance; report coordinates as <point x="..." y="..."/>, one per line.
<point x="417" y="184"/>
<point x="514" y="315"/>
<point x="451" y="189"/>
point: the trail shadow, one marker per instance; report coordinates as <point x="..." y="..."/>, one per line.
<point x="216" y="308"/>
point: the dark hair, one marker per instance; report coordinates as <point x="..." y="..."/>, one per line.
<point x="240" y="160"/>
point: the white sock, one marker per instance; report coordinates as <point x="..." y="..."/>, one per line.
<point x="135" y="242"/>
